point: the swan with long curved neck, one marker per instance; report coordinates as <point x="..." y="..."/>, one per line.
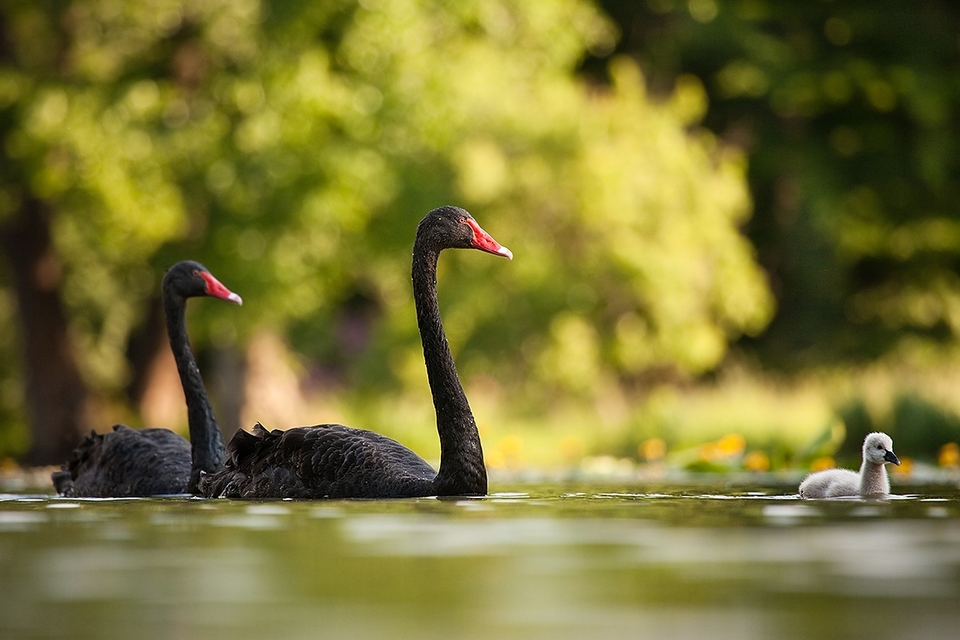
<point x="334" y="461"/>
<point x="129" y="462"/>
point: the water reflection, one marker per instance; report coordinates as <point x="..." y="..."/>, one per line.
<point x="544" y="562"/>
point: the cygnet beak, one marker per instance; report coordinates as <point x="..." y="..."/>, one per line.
<point x="890" y="456"/>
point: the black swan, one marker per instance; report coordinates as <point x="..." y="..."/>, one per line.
<point x="871" y="481"/>
<point x="129" y="462"/>
<point x="334" y="461"/>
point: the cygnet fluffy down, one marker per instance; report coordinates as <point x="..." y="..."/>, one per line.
<point x="871" y="481"/>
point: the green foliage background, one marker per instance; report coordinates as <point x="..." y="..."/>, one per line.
<point x="849" y="114"/>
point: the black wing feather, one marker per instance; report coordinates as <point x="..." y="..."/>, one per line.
<point x="126" y="462"/>
<point x="323" y="461"/>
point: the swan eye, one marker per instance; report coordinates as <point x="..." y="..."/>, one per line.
<point x="196" y="272"/>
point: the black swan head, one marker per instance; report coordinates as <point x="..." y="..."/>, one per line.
<point x="189" y="279"/>
<point x="451" y="227"/>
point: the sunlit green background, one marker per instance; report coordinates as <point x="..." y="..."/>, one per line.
<point x="734" y="221"/>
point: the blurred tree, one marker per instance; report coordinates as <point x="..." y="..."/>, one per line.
<point x="54" y="391"/>
<point x="293" y="146"/>
<point x="849" y="113"/>
<point x="625" y="224"/>
<point x="87" y="183"/>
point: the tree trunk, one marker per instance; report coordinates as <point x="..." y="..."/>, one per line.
<point x="146" y="345"/>
<point x="55" y="392"/>
<point x="228" y="369"/>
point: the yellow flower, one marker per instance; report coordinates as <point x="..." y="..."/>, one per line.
<point x="652" y="449"/>
<point x="511" y="445"/>
<point x="571" y="448"/>
<point x="510" y="449"/>
<point x="731" y="444"/>
<point x="905" y="468"/>
<point x="756" y="461"/>
<point x="709" y="451"/>
<point x="494" y="459"/>
<point x="826" y="462"/>
<point x="949" y="455"/>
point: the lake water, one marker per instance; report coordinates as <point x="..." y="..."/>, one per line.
<point x="560" y="561"/>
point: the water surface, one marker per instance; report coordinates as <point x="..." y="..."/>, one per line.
<point x="562" y="561"/>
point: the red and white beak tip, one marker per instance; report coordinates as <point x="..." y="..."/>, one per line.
<point x="485" y="242"/>
<point x="217" y="290"/>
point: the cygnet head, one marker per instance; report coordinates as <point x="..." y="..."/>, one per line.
<point x="878" y="449"/>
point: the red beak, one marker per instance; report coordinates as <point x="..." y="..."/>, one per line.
<point x="485" y="242"/>
<point x="217" y="290"/>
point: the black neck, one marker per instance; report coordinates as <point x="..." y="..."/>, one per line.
<point x="205" y="441"/>
<point x="461" y="457"/>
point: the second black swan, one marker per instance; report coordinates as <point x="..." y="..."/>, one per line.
<point x="334" y="461"/>
<point x="129" y="462"/>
